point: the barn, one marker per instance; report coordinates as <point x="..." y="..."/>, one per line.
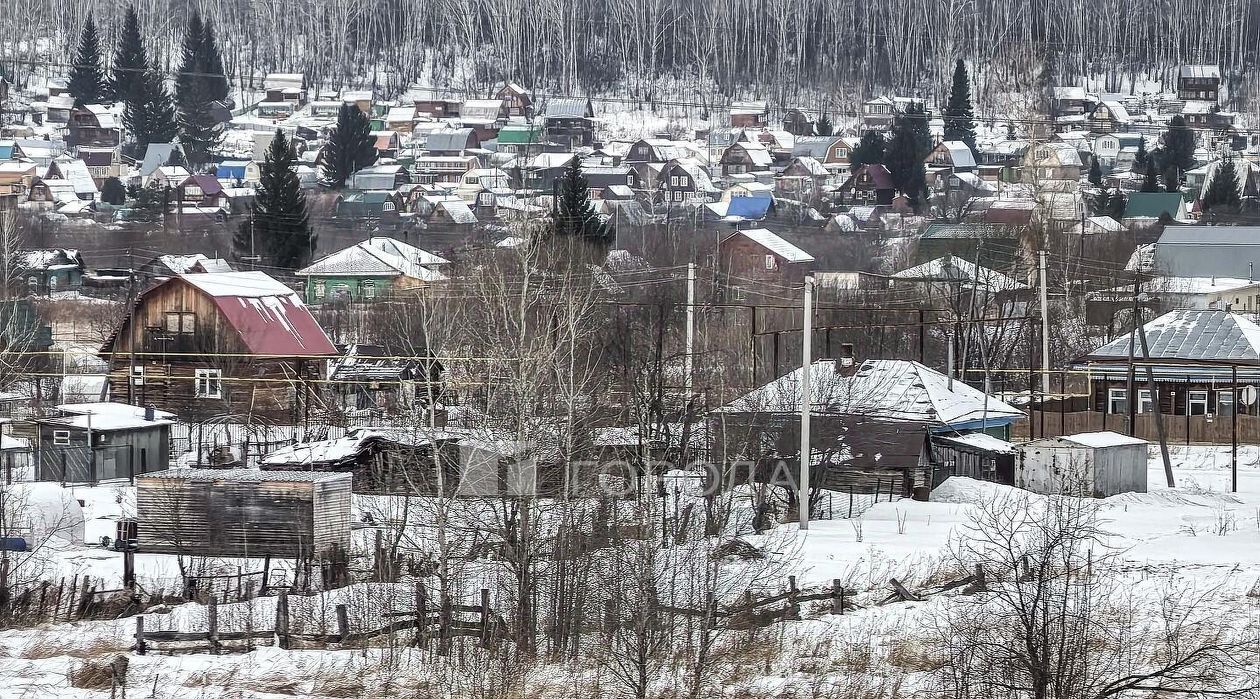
<point x="1097" y="464"/>
<point x="243" y="513"/>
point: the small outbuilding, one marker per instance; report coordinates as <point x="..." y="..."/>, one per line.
<point x="1097" y="464"/>
<point x="975" y="455"/>
<point x="241" y="513"/>
<point x="91" y="442"/>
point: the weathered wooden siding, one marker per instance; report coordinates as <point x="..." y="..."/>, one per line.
<point x="230" y="517"/>
<point x="332" y="513"/>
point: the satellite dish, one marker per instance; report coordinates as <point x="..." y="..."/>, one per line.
<point x="1249" y="395"/>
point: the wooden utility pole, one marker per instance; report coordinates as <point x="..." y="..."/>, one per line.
<point x="1150" y="384"/>
<point x="807" y="402"/>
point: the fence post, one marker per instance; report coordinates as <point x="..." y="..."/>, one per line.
<point x="84" y="599"/>
<point x="343" y="625"/>
<point x="485" y="618"/>
<point x="837" y="597"/>
<point x="140" y="634"/>
<point x="422" y="615"/>
<point x="282" y="620"/>
<point x="794" y="606"/>
<point x="212" y="614"/>
<point x="266" y="571"/>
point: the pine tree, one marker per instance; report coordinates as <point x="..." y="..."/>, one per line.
<point x="1119" y="201"/>
<point x="574" y="216"/>
<point x="869" y="151"/>
<point x="113" y="192"/>
<point x="1102" y="202"/>
<point x="150" y="113"/>
<point x="1095" y="173"/>
<point x="1141" y="157"/>
<point x="904" y="157"/>
<point x="200" y="131"/>
<point x="191" y="66"/>
<point x="148" y="203"/>
<point x="131" y="61"/>
<point x="823" y="126"/>
<point x="87" y="78"/>
<point x="960" y="122"/>
<point x="1179" y="144"/>
<point x="1150" y="183"/>
<point x="350" y="147"/>
<point x="212" y="64"/>
<point x="1222" y="192"/>
<point x="278" y="227"/>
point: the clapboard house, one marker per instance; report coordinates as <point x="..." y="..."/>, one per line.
<point x="91" y="442"/>
<point x="215" y="345"/>
<point x="240" y="513"/>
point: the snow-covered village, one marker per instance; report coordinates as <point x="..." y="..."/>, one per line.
<point x="670" y="349"/>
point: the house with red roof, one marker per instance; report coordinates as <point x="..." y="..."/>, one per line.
<point x="225" y="345"/>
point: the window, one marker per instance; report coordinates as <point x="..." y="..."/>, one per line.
<point x="683" y="182"/>
<point x="192" y="190"/>
<point x="1043" y="154"/>
<point x="673" y="181"/>
<point x="137" y="376"/>
<point x="387" y="206"/>
<point x="1197" y="402"/>
<point x="1117" y="401"/>
<point x="842" y="152"/>
<point x="369" y="289"/>
<point x="1225" y="402"/>
<point x="32" y="282"/>
<point x="208" y="383"/>
<point x="61" y="438"/>
<point x="1145" y="405"/>
<point x="319" y="288"/>
<point x="770" y="262"/>
<point x="181" y="323"/>
<point x="630" y="180"/>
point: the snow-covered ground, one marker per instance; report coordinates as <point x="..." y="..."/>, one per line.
<point x="1198" y="535"/>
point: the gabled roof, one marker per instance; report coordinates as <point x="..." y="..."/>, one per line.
<point x="810" y="165"/>
<point x="959" y="153"/>
<point x="155" y="156"/>
<point x="268" y="316"/>
<point x="568" y="108"/>
<point x="448" y="140"/>
<point x="378" y="257"/>
<point x="879" y="175"/>
<point x="814" y="146"/>
<point x="950" y="269"/>
<point x="209" y="184"/>
<point x="1199" y="71"/>
<point x="1155" y="205"/>
<point x="1190" y="336"/>
<point x="773" y="243"/>
<point x="886" y="389"/>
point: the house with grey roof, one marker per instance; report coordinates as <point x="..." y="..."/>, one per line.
<point x="569" y="121"/>
<point x="1202" y="361"/>
<point x="369" y="270"/>
<point x="832" y="151"/>
<point x="451" y="142"/>
<point x="1208" y="251"/>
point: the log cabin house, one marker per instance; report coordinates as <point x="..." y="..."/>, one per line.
<point x="206" y="345"/>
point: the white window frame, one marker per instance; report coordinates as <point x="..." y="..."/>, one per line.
<point x="320" y="289"/>
<point x="1225" y="397"/>
<point x="1145" y="403"/>
<point x="61" y="438"/>
<point x="1117" y="401"/>
<point x="771" y="262"/>
<point x="137" y="376"/>
<point x="208" y="383"/>
<point x="369" y="289"/>
<point x="1197" y="398"/>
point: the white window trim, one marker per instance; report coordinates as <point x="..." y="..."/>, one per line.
<point x="205" y="380"/>
<point x="1198" y="398"/>
<point x="1117" y="396"/>
<point x="61" y="438"/>
<point x="1145" y="403"/>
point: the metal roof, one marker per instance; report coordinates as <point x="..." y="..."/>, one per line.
<point x="775" y="244"/>
<point x="245" y="475"/>
<point x="1210" y="235"/>
<point x="1190" y="336"/>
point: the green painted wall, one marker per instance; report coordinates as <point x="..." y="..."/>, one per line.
<point x="353" y="286"/>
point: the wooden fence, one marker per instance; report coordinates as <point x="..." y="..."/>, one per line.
<point x="441" y="622"/>
<point x="73" y="599"/>
<point x="1181" y="429"/>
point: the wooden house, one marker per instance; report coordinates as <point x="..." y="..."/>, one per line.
<point x="102" y="163"/>
<point x="387" y="143"/>
<point x="200" y="191"/>
<point x="381" y="461"/>
<point x="1109" y="117"/>
<point x="686" y="181"/>
<point x="569" y="121"/>
<point x="239" y="513"/>
<point x="42" y="272"/>
<point x="515" y="99"/>
<point x="797" y="122"/>
<point x="833" y="152"/>
<point x="93" y="125"/>
<point x="451" y="142"/>
<point x="382" y="379"/>
<point x="1070" y="105"/>
<point x="437" y="108"/>
<point x="1201" y="83"/>
<point x="372" y="269"/>
<point x="1052" y="166"/>
<point x="744" y="157"/>
<point x="878" y="113"/>
<point x="976" y="455"/>
<point x="753" y="256"/>
<point x="91" y="442"/>
<point x="521" y="139"/>
<point x="749" y="115"/>
<point x="285" y="87"/>
<point x="483" y="116"/>
<point x="221" y="344"/>
<point x="955" y="156"/>
<point x="869" y="185"/>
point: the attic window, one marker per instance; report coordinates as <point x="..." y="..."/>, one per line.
<point x="387" y="206"/>
<point x="61" y="438"/>
<point x="181" y="323"/>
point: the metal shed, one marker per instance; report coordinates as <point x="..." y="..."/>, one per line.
<point x="243" y="513"/>
<point x="1097" y="464"/>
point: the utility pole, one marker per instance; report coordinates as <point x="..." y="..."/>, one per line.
<point x="1045" y="328"/>
<point x="691" y="330"/>
<point x="807" y="401"/>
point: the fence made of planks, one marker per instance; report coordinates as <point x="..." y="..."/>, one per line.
<point x="1181" y="429"/>
<point x="70" y="599"/>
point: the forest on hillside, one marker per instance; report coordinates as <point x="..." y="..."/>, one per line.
<point x="821" y="54"/>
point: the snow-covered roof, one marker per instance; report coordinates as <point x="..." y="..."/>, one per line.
<point x="1191" y="336"/>
<point x="1102" y="439"/>
<point x="950" y="269"/>
<point x="775" y="244"/>
<point x="888" y="389"/>
<point x="242" y="284"/>
<point x="106" y="417"/>
<point x="245" y="475"/>
<point x="981" y="440"/>
<point x="959" y="153"/>
<point x="379" y="256"/>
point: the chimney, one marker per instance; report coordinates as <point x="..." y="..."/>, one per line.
<point x="846" y="365"/>
<point x="149" y="413"/>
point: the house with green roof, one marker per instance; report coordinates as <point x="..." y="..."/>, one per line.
<point x="1156" y="205"/>
<point x="371" y="269"/>
<point x="517" y="138"/>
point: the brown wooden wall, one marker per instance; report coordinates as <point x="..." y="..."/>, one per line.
<point x="1181" y="429"/>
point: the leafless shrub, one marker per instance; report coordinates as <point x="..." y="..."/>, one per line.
<point x="92" y="675"/>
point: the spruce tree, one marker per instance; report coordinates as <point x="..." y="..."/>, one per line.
<point x="960" y="122"/>
<point x="350" y="147"/>
<point x="278" y="227"/>
<point x="823" y="126"/>
<point x="1095" y="173"/>
<point x="574" y="216"/>
<point x="200" y="131"/>
<point x="131" y="61"/>
<point x="1102" y="202"/>
<point x="1150" y="183"/>
<point x="904" y="157"/>
<point x="113" y="192"/>
<point x="150" y="113"/>
<point x="869" y="151"/>
<point x="1141" y="157"/>
<point x="191" y="65"/>
<point x="1222" y="192"/>
<point x="212" y="64"/>
<point x="148" y="203"/>
<point x="1179" y="144"/>
<point x="87" y="78"/>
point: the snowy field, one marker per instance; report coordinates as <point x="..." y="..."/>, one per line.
<point x="1198" y="537"/>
